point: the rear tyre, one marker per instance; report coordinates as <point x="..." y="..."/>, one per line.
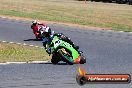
<point x="82" y="60"/>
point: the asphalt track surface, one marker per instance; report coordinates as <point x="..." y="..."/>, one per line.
<point x="105" y="51"/>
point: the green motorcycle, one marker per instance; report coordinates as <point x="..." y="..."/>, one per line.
<point x="63" y="51"/>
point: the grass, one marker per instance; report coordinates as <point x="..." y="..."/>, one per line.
<point x="20" y="53"/>
<point x="109" y="15"/>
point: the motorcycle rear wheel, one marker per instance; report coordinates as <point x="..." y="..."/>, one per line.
<point x="82" y="60"/>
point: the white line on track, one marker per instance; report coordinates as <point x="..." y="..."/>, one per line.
<point x="24" y="44"/>
<point x="18" y="43"/>
<point x="31" y="45"/>
<point x="21" y="44"/>
<point x="16" y="62"/>
<point x="36" y="62"/>
<point x="36" y="46"/>
<point x="11" y="42"/>
<point x="4" y="41"/>
<point x="121" y="31"/>
<point x="32" y="62"/>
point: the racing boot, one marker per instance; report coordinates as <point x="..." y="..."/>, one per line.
<point x="63" y="37"/>
<point x="80" y="52"/>
<point x="76" y="47"/>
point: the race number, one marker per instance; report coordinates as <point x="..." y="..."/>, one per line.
<point x="56" y="43"/>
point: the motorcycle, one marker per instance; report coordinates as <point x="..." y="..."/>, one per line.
<point x="63" y="51"/>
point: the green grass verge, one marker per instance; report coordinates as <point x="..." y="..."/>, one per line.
<point x="20" y="53"/>
<point x="109" y="15"/>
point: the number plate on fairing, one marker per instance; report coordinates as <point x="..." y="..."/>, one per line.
<point x="56" y="43"/>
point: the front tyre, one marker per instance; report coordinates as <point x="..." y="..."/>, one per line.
<point x="55" y="59"/>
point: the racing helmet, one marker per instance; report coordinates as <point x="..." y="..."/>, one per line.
<point x="34" y="22"/>
<point x="47" y="32"/>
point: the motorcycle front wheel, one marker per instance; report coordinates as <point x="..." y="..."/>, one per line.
<point x="55" y="59"/>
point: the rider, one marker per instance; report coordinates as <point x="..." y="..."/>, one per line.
<point x="48" y="36"/>
<point x="35" y="26"/>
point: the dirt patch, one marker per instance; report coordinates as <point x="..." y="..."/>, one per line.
<point x="52" y="22"/>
